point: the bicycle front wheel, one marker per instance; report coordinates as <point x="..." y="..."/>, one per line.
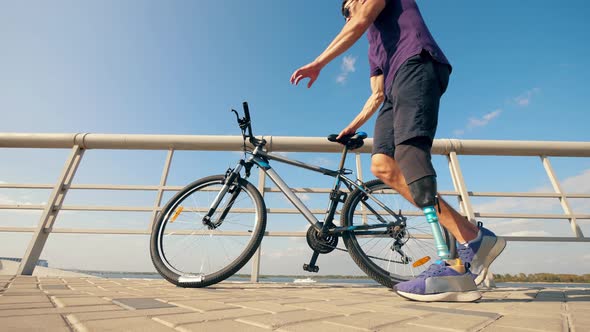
<point x="387" y="256"/>
<point x="189" y="253"/>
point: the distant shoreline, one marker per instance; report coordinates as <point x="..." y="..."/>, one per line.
<point x="235" y="275"/>
<point x="518" y="278"/>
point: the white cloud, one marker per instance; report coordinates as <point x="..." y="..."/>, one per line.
<point x="323" y="162"/>
<point x="525" y="99"/>
<point x="484" y="120"/>
<point x="288" y="252"/>
<point x="478" y="122"/>
<point x="577" y="184"/>
<point x="347" y="67"/>
<point x="458" y="132"/>
<point x="303" y="196"/>
<point x="522" y="227"/>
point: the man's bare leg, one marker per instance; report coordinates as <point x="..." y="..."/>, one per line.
<point x="385" y="168"/>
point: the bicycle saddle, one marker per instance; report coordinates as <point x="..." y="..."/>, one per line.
<point x="354" y="141"/>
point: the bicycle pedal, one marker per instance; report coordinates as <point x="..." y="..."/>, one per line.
<point x="311" y="268"/>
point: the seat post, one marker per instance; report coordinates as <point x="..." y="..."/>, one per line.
<point x="344" y="153"/>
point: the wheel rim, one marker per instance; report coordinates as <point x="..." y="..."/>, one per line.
<point x="189" y="249"/>
<point x="417" y="244"/>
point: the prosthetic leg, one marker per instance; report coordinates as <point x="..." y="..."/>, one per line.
<point x="424" y="194"/>
<point x="414" y="160"/>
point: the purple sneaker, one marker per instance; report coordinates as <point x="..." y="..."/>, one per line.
<point x="440" y="282"/>
<point x="481" y="252"/>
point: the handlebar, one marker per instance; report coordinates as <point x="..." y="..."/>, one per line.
<point x="245" y="124"/>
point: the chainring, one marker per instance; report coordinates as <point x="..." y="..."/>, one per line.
<point x="321" y="243"/>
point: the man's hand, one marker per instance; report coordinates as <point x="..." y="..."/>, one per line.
<point x="311" y="71"/>
<point x="346" y="131"/>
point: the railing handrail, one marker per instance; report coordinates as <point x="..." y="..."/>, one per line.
<point x="80" y="142"/>
<point x="282" y="144"/>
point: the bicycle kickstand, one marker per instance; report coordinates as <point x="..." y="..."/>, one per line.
<point x="311" y="267"/>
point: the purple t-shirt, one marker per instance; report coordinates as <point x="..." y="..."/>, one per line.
<point x="397" y="34"/>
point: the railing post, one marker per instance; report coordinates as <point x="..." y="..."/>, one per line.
<point x="256" y="257"/>
<point x="58" y="195"/>
<point x="359" y="168"/>
<point x="562" y="199"/>
<point x="465" y="202"/>
<point x="160" y="193"/>
<point x="459" y="183"/>
<point x="359" y="173"/>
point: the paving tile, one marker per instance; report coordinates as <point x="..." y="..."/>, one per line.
<point x="197" y="317"/>
<point x="221" y="325"/>
<point x="24" y="312"/>
<point x="63" y="301"/>
<point x="34" y="323"/>
<point x="580" y="322"/>
<point x="21" y="292"/>
<point x="65" y="293"/>
<point x="54" y="286"/>
<point x="10" y="306"/>
<point x="455" y="322"/>
<point x="539" y="309"/>
<point x="141" y="303"/>
<point x="318" y="326"/>
<point x="532" y="323"/>
<point x="369" y="320"/>
<point x="404" y="327"/>
<point x="139" y="324"/>
<point x="24" y="299"/>
<point x="266" y="306"/>
<point x="102" y="315"/>
<point x="205" y="305"/>
<point x="273" y="321"/>
<point x="330" y="307"/>
<point x="25" y="279"/>
<point x="23" y="286"/>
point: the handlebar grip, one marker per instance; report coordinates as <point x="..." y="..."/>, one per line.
<point x="246" y="110"/>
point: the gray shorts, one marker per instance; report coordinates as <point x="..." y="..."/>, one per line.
<point x="411" y="106"/>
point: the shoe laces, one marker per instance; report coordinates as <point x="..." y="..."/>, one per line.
<point x="465" y="252"/>
<point x="433" y="270"/>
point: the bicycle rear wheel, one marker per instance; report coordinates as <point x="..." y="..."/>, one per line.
<point x="376" y="254"/>
<point x="187" y="252"/>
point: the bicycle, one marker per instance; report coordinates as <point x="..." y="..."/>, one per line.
<point x="211" y="228"/>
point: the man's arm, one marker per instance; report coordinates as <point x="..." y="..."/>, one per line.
<point x="375" y="100"/>
<point x="352" y="31"/>
<point x="350" y="34"/>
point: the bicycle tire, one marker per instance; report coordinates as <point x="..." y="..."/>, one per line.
<point x="173" y="222"/>
<point x="370" y="261"/>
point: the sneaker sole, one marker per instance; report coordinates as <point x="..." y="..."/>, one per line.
<point x="470" y="296"/>
<point x="494" y="253"/>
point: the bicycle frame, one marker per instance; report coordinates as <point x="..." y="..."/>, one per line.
<point x="261" y="158"/>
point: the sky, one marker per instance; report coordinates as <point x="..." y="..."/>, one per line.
<point x="178" y="67"/>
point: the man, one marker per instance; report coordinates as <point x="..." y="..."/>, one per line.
<point x="408" y="75"/>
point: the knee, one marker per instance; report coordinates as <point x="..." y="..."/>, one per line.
<point x="386" y="171"/>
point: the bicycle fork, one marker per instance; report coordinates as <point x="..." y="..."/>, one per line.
<point x="231" y="180"/>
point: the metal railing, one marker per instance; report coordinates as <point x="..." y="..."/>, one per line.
<point x="451" y="148"/>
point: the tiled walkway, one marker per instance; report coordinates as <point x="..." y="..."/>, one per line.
<point x="95" y="304"/>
